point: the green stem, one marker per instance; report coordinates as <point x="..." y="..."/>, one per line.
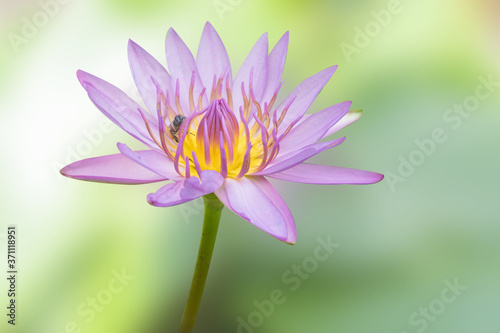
<point x="213" y="210"/>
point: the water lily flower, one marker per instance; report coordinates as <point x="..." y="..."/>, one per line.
<point x="218" y="137"/>
<point x="211" y="133"/>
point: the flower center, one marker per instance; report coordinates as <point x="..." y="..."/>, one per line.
<point x="216" y="138"/>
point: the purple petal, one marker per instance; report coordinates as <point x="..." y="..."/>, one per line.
<point x="294" y="158"/>
<point x="221" y="193"/>
<point x="151" y="160"/>
<point x="117" y="106"/>
<point x="327" y="175"/>
<point x="144" y="67"/>
<point x="256" y="60"/>
<point x="181" y="65"/>
<point x="313" y="128"/>
<point x="348" y="119"/>
<point x="304" y="95"/>
<point x="275" y="66"/>
<point x="186" y="189"/>
<point x="265" y="186"/>
<point x="253" y="199"/>
<point x="113" y="169"/>
<point x="212" y="59"/>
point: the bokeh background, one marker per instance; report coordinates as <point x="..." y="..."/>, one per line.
<point x="402" y="241"/>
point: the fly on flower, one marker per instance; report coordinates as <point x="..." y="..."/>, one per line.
<point x="209" y="131"/>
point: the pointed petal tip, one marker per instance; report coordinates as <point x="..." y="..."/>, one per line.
<point x="329" y="71"/>
<point x="81" y="76"/>
<point x="291" y="241"/>
<point x="122" y="147"/>
<point x="64" y="171"/>
<point x="84" y="78"/>
<point x="374" y="179"/>
<point x="286" y="37"/>
<point x="348" y="103"/>
<point x="153" y="200"/>
<point x="380" y="176"/>
<point x="69" y="171"/>
<point x="132" y="45"/>
<point x="209" y="30"/>
<point x="264" y="38"/>
<point x="332" y="69"/>
<point x="150" y="199"/>
<point x="172" y="32"/>
<point x="133" y="51"/>
<point x="208" y="25"/>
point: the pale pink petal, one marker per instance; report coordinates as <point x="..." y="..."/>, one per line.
<point x="117" y="106"/>
<point x="221" y="193"/>
<point x="113" y="169"/>
<point x="268" y="189"/>
<point x="186" y="189"/>
<point x="151" y="160"/>
<point x="348" y="119"/>
<point x="304" y="95"/>
<point x="145" y="69"/>
<point x="259" y="205"/>
<point x="292" y="159"/>
<point x="275" y="66"/>
<point x="314" y="128"/>
<point x="212" y="59"/>
<point x="181" y="64"/>
<point x="327" y="175"/>
<point x="256" y="61"/>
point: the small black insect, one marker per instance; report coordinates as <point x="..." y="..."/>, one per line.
<point x="175" y="126"/>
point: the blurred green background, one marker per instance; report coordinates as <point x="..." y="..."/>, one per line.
<point x="402" y="241"/>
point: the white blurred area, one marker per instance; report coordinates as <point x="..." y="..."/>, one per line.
<point x="46" y="108"/>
